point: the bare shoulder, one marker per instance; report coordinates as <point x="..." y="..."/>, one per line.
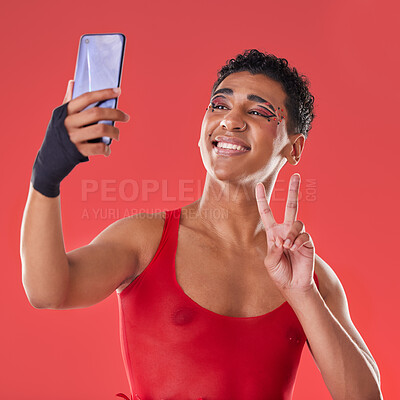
<point x="142" y="233"/>
<point x="133" y="230"/>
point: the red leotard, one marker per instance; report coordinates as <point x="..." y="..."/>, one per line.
<point x="175" y="349"/>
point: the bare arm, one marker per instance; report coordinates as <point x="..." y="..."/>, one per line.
<point x="44" y="261"/>
<point x="46" y="268"/>
<point x="345" y="362"/>
<point x="346" y="365"/>
<point x="80" y="278"/>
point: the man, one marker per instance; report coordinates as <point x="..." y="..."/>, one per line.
<point x="216" y="298"/>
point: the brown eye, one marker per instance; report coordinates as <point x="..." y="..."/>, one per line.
<point x="215" y="106"/>
<point x="262" y="113"/>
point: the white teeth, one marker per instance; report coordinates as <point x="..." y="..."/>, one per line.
<point x="230" y="146"/>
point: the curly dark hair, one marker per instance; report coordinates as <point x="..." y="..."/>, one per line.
<point x="299" y="102"/>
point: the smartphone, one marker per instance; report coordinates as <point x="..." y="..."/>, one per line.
<point x="99" y="66"/>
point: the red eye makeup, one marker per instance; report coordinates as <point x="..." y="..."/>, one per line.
<point x="266" y="112"/>
<point x="264" y="109"/>
<point x="216" y="102"/>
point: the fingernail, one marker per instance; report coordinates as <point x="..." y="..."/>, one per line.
<point x="294" y="247"/>
<point x="259" y="189"/>
<point x="117" y="90"/>
<point x="287" y="243"/>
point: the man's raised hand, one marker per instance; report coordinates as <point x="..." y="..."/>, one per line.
<point x="291" y="254"/>
<point x="65" y="144"/>
<point x="81" y="124"/>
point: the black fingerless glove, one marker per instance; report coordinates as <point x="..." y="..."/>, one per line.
<point x="57" y="156"/>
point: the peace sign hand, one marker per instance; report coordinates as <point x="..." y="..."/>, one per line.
<point x="290" y="266"/>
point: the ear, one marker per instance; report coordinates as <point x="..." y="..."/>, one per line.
<point x="296" y="147"/>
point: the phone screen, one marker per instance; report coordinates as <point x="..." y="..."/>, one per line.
<point x="99" y="66"/>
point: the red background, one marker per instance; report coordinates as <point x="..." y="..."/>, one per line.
<point x="174" y="48"/>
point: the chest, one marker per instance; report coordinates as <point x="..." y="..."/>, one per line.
<point x="228" y="282"/>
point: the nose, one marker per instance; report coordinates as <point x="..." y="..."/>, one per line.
<point x="233" y="122"/>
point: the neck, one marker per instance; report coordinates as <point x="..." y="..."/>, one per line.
<point x="229" y="210"/>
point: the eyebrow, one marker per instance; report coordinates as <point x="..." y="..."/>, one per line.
<point x="251" y="97"/>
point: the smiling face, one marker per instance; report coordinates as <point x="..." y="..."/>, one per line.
<point x="246" y="110"/>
